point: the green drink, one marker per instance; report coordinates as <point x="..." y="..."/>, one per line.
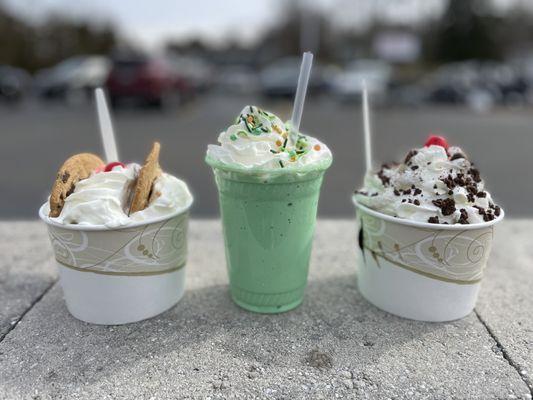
<point x="268" y="177"/>
<point x="268" y="222"/>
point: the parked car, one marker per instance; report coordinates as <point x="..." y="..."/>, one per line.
<point x="480" y="85"/>
<point x="280" y="78"/>
<point x="144" y="80"/>
<point x="197" y="72"/>
<point x="237" y="79"/>
<point x="348" y="84"/>
<point x="74" y="78"/>
<point x="14" y="83"/>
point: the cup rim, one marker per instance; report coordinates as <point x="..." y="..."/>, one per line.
<point x="76" y="227"/>
<point x="403" y="221"/>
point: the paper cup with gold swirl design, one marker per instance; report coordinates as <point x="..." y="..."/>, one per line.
<point x="418" y="270"/>
<point x="120" y="275"/>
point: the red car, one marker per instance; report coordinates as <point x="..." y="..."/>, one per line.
<point x="148" y="81"/>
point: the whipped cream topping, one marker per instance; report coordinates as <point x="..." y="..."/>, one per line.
<point x="102" y="198"/>
<point x="431" y="185"/>
<point x="259" y="139"/>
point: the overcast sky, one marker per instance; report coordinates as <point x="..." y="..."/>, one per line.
<point x="152" y="22"/>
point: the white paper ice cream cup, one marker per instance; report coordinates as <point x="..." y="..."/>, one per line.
<point x="421" y="271"/>
<point x="120" y="275"/>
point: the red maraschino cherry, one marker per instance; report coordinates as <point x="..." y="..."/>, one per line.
<point x="111" y="165"/>
<point x="435" y="140"/>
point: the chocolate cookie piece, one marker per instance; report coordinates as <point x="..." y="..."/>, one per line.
<point x="73" y="170"/>
<point x="149" y="172"/>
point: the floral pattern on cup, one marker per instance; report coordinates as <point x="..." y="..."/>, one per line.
<point x="143" y="250"/>
<point x="457" y="256"/>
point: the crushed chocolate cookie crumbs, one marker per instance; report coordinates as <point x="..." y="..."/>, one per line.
<point x="396" y="192"/>
<point x="475" y="174"/>
<point x="481" y="194"/>
<point x="448" y="181"/>
<point x="414" y="167"/>
<point x="463" y="219"/>
<point x="488" y="217"/>
<point x="416" y="202"/>
<point x="410" y="155"/>
<point x="459" y="180"/>
<point x="456" y="156"/>
<point x="497" y="211"/>
<point x="481" y="210"/>
<point x="447" y="206"/>
<point x="417" y="191"/>
<point x="433" y="220"/>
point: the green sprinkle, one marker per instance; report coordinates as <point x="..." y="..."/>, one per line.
<point x="273" y="151"/>
<point x="285" y="142"/>
<point x="233" y="137"/>
<point x="281" y="164"/>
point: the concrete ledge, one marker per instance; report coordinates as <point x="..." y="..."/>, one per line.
<point x="334" y="345"/>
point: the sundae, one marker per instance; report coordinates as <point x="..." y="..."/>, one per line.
<point x="119" y="235"/>
<point x="426" y="227"/>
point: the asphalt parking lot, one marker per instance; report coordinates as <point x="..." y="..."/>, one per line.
<point x="37" y="137"/>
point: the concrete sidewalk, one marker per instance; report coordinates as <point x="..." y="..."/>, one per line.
<point x="334" y="345"/>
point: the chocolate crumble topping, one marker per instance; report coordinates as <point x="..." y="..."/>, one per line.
<point x="433" y="220"/>
<point x="456" y="156"/>
<point x="410" y="155"/>
<point x="463" y="219"/>
<point x="447" y="206"/>
<point x="475" y="174"/>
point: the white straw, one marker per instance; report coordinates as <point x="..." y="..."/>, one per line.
<point x="366" y="128"/>
<point x="106" y="126"/>
<point x="301" y="90"/>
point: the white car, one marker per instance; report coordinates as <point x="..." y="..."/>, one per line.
<point x="73" y="78"/>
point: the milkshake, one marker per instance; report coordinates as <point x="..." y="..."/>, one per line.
<point x="269" y="180"/>
<point x="426" y="229"/>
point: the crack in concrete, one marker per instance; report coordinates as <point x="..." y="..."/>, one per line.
<point x="23" y="314"/>
<point x="505" y="354"/>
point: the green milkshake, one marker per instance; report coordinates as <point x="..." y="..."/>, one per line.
<point x="269" y="183"/>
